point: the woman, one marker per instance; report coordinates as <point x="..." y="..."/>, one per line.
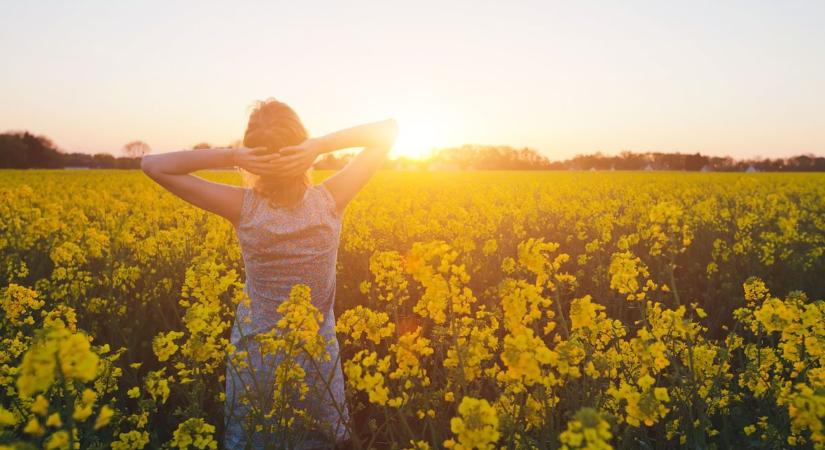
<point x="288" y="230"/>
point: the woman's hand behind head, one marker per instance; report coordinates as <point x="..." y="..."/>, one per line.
<point x="256" y="160"/>
<point x="295" y="159"/>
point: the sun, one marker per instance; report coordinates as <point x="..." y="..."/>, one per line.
<point x="416" y="139"/>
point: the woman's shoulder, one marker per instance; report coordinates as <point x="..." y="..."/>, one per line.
<point x="327" y="200"/>
<point x="316" y="197"/>
<point x="249" y="199"/>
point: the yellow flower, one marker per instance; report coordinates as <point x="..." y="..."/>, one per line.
<point x="76" y="358"/>
<point x="88" y="397"/>
<point x="133" y="440"/>
<point x="645" y="404"/>
<point x="194" y="432"/>
<point x="54" y="421"/>
<point x="17" y="302"/>
<point x="626" y="270"/>
<point x="33" y="427"/>
<point x="587" y="430"/>
<point x="419" y="445"/>
<point x="806" y="407"/>
<point x="476" y="426"/>
<point x="58" y="440"/>
<point x="7" y="418"/>
<point x="82" y="412"/>
<point x="37" y="370"/>
<point x="364" y="373"/>
<point x="164" y="344"/>
<point x="40" y="406"/>
<point x="490" y="247"/>
<point x="157" y="386"/>
<point x="359" y="321"/>
<point x="583" y="312"/>
<point x="775" y="315"/>
<point x="755" y="290"/>
<point x="391" y="283"/>
<point x="104" y="417"/>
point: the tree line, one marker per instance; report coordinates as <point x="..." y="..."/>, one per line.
<point x="486" y="157"/>
<point x="21" y="150"/>
<point x="24" y="150"/>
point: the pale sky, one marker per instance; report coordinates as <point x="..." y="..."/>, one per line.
<point x="739" y="78"/>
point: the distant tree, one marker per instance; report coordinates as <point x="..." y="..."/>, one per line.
<point x="802" y="163"/>
<point x="23" y="150"/>
<point x="722" y="164"/>
<point x="125" y="163"/>
<point x="136" y="149"/>
<point x="202" y="146"/>
<point x="628" y="160"/>
<point x="489" y="157"/>
<point x="78" y="160"/>
<point x="13" y="152"/>
<point x="104" y="160"/>
<point x="695" y="162"/>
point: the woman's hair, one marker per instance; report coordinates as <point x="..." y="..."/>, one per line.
<point x="273" y="124"/>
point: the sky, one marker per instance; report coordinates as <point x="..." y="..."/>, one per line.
<point x="738" y="78"/>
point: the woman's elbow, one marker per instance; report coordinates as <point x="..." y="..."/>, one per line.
<point x="391" y="132"/>
<point x="392" y="126"/>
<point x="148" y="164"/>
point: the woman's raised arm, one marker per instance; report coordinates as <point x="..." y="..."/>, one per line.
<point x="377" y="139"/>
<point x="173" y="172"/>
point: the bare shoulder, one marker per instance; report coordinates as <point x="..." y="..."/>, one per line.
<point x="328" y="195"/>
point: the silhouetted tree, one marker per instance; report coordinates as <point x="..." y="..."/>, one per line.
<point x="695" y="162"/>
<point x="489" y="157"/>
<point x="23" y="150"/>
<point x="630" y="161"/>
<point x="202" y="146"/>
<point x="136" y="149"/>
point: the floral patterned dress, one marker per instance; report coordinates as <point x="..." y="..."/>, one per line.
<point x="282" y="247"/>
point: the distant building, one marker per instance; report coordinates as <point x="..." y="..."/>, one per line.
<point x="751" y="169"/>
<point x="707" y="168"/>
<point x="76" y="167"/>
<point x="648" y="167"/>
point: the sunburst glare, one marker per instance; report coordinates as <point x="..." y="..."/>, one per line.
<point x="417" y="138"/>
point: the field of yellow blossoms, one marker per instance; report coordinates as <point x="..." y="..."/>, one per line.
<point x="475" y="310"/>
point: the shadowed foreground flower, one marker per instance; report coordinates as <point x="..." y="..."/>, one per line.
<point x="587" y="430"/>
<point x="476" y="426"/>
<point x="58" y="345"/>
<point x="194" y="432"/>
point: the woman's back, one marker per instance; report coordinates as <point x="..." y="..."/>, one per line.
<point x="282" y="247"/>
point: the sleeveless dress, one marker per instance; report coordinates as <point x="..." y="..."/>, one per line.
<point x="281" y="247"/>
